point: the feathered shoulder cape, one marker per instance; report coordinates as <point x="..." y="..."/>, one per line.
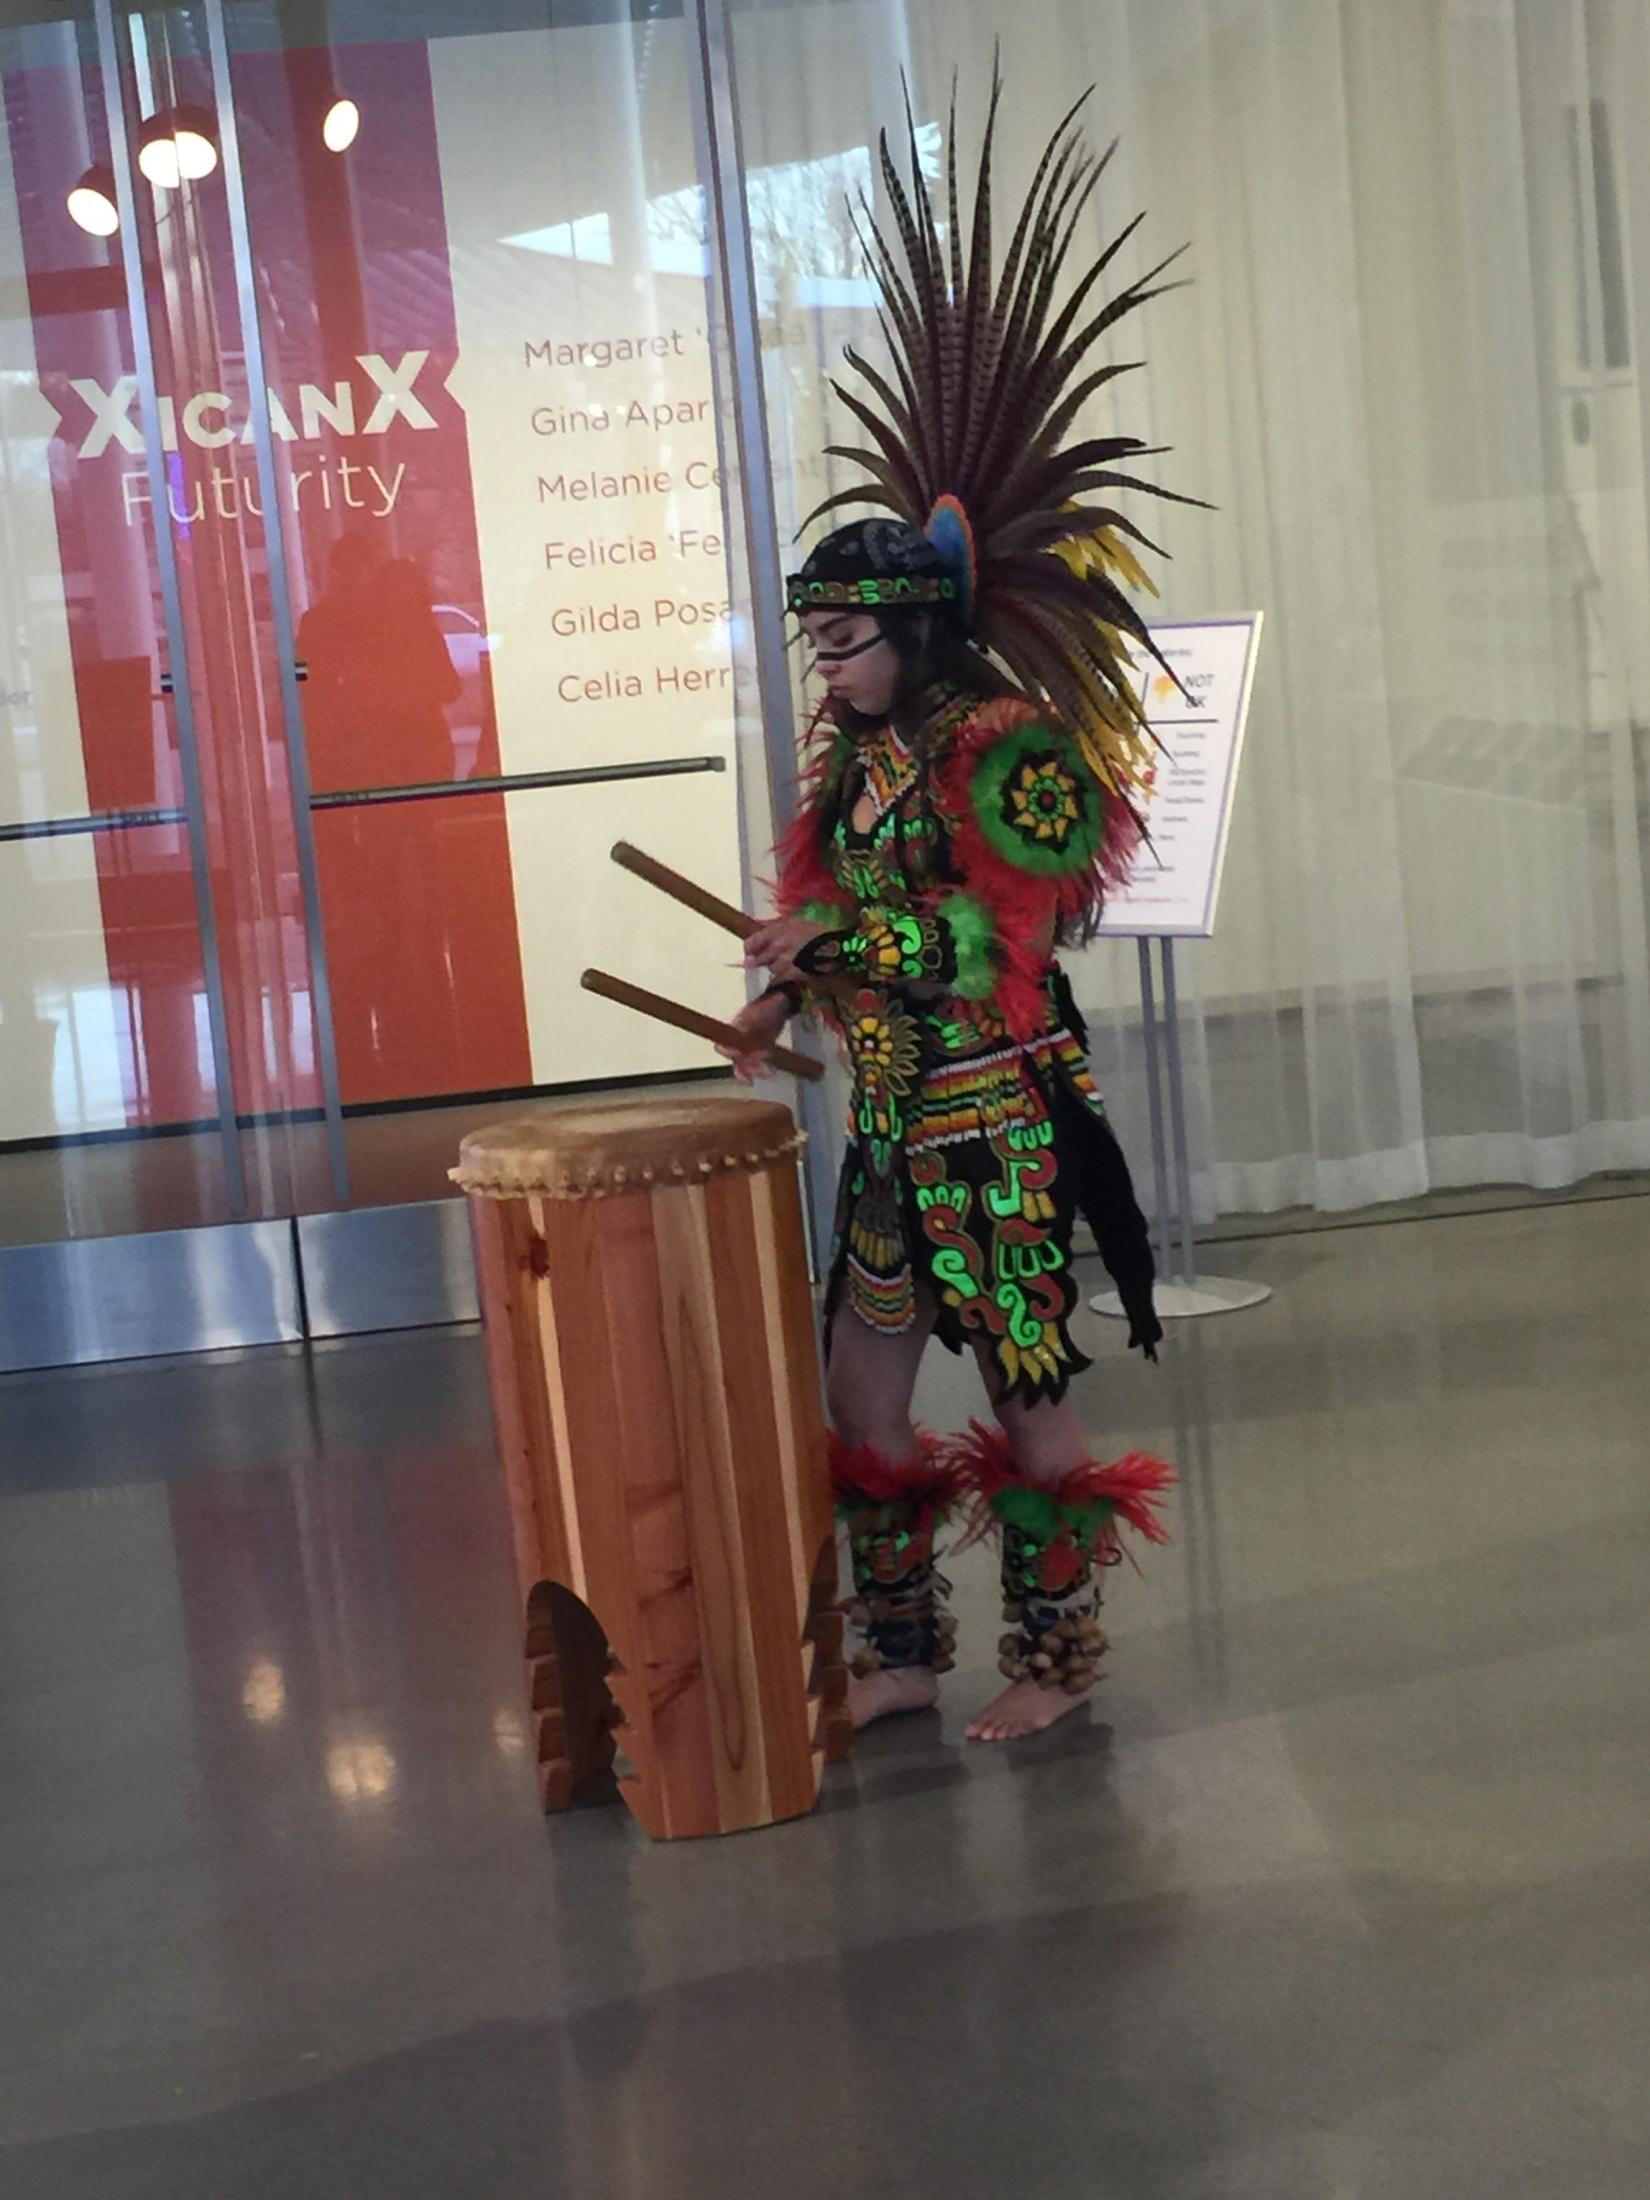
<point x="1030" y="842"/>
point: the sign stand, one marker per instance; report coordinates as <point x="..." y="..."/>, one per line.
<point x="1181" y="1291"/>
<point x="1217" y="669"/>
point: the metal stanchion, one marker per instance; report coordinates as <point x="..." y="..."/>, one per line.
<point x="1182" y="1293"/>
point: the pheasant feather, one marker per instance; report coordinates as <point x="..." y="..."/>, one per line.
<point x="988" y="374"/>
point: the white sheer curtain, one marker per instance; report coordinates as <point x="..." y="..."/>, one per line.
<point x="1409" y="376"/>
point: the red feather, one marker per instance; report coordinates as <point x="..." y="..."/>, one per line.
<point x="1135" y="1485"/>
<point x="1125" y="837"/>
<point x="1023" y="908"/>
<point x="933" y="1482"/>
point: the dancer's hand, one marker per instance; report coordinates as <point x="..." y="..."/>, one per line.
<point x="775" y="945"/>
<point x="759" y="1025"/>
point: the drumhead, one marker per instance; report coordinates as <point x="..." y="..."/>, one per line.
<point x="583" y="1152"/>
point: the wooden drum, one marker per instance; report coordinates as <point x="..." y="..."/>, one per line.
<point x="656" y="1388"/>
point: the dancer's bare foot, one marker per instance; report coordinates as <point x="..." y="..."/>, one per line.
<point x="895" y="1688"/>
<point x="1025" y="1708"/>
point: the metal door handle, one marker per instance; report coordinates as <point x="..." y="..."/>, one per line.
<point x="169" y="687"/>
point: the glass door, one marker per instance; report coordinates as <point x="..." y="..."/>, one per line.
<point x="363" y="579"/>
<point x="112" y="1005"/>
<point x="477" y="240"/>
<point x="215" y="517"/>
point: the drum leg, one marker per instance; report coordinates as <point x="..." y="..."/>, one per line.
<point x="573" y="1709"/>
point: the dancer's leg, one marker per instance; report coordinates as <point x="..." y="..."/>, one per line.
<point x="1047" y="1441"/>
<point x="870" y="1378"/>
<point x="884" y="1484"/>
<point x="1058" y="1509"/>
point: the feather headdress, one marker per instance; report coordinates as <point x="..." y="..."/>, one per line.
<point x="970" y="438"/>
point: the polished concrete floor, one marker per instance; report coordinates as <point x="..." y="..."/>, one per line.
<point x="1344" y="1890"/>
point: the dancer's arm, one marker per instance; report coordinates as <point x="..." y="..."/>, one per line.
<point x="1025" y="819"/>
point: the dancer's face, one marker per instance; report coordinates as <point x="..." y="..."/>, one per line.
<point x="860" y="665"/>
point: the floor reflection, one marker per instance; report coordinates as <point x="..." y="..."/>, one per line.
<point x="1342" y="1886"/>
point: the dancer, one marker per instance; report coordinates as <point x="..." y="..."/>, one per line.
<point x="967" y="798"/>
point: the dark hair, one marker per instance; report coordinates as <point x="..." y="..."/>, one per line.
<point x="934" y="651"/>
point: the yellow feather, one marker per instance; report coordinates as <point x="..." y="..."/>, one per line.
<point x="1112" y="734"/>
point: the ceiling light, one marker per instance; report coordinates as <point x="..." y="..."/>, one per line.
<point x="340" y="126"/>
<point x="197" y="155"/>
<point x="91" y="203"/>
<point x="176" y="146"/>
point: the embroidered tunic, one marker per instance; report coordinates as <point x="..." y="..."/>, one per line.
<point x="976" y="1132"/>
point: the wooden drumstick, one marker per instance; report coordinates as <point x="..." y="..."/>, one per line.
<point x="696" y="898"/>
<point x="704" y="903"/>
<point x="691" y="1019"/>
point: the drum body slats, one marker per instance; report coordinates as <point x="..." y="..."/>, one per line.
<point x="655" y="1383"/>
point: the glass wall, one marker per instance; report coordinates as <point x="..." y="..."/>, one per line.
<point x="364" y="579"/>
<point x="108" y="951"/>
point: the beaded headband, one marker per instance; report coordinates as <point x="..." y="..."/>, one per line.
<point x="883" y="593"/>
